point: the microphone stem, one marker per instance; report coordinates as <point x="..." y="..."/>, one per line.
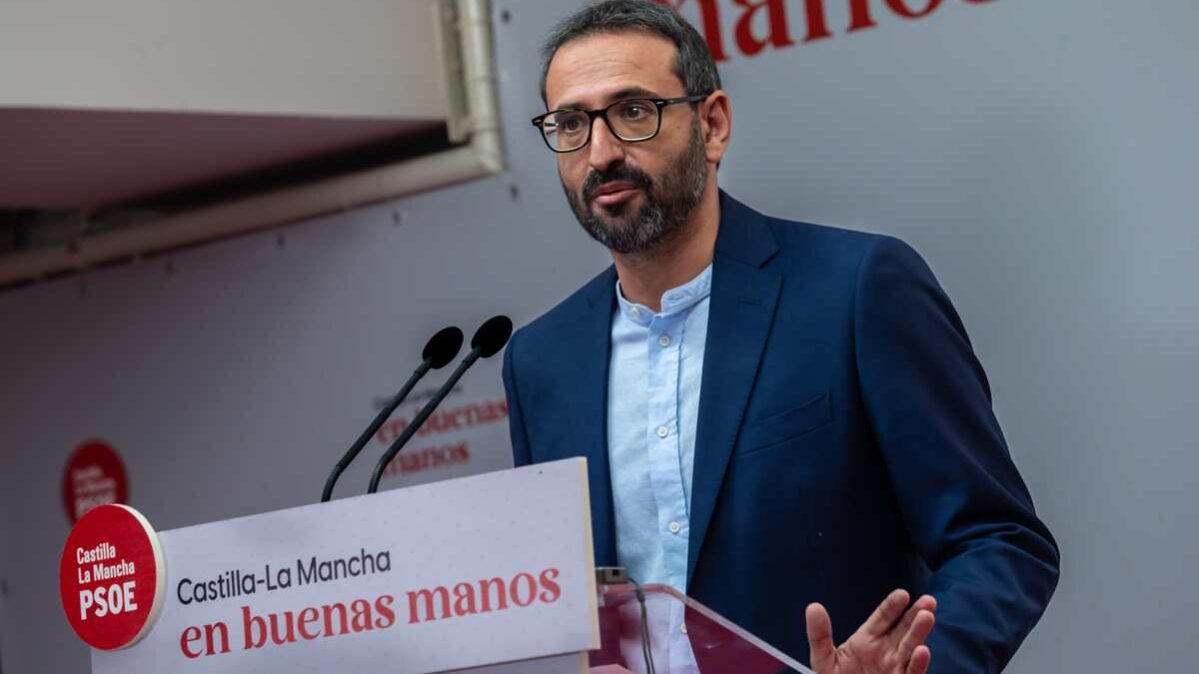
<point x="370" y="431"/>
<point x="425" y="413"/>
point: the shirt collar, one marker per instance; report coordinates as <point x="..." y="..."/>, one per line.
<point x="674" y="301"/>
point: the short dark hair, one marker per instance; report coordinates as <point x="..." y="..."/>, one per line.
<point x="693" y="63"/>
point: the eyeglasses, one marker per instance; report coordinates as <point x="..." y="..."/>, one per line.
<point x="633" y="121"/>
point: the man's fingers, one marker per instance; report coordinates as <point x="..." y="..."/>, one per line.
<point x="924" y="603"/>
<point x="922" y="625"/>
<point x="820" y="638"/>
<point x="887" y="614"/>
<point x="920" y="661"/>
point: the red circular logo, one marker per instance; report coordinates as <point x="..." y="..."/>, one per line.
<point x="111" y="577"/>
<point x="94" y="476"/>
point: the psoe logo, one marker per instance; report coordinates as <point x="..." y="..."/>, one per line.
<point x="111" y="577"/>
<point x="94" y="476"/>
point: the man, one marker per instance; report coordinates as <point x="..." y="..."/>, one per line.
<point x="773" y="413"/>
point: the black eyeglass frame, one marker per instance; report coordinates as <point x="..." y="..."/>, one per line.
<point x="659" y="103"/>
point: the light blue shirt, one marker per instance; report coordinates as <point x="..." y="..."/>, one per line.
<point x="653" y="402"/>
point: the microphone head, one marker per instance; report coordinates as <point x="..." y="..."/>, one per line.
<point x="492" y="336"/>
<point x="442" y="347"/>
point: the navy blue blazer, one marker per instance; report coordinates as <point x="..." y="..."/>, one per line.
<point x="846" y="443"/>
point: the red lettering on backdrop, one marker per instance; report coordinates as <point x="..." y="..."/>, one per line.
<point x="900" y="8"/>
<point x="817" y="23"/>
<point x="445" y="421"/>
<point x="412" y="461"/>
<point x="776" y="12"/>
<point x="859" y="15"/>
<point x="750" y="44"/>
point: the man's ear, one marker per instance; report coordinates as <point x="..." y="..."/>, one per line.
<point x="716" y="123"/>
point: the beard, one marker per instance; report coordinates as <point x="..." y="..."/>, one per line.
<point x="666" y="202"/>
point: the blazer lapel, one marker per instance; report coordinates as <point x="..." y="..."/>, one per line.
<point x="588" y="359"/>
<point x="741" y="311"/>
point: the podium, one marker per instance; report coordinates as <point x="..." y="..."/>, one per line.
<point x="491" y="573"/>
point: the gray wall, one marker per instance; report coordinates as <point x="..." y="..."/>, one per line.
<point x="1041" y="155"/>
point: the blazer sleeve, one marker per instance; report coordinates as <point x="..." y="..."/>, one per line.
<point x="994" y="564"/>
<point x="521" y="455"/>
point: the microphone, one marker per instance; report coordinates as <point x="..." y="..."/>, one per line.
<point x="439" y="351"/>
<point x="487" y="341"/>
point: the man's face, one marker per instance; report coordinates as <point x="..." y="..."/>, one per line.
<point x="631" y="197"/>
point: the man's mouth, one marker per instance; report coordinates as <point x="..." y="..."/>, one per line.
<point x="612" y="193"/>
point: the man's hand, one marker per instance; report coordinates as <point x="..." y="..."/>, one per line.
<point x="891" y="641"/>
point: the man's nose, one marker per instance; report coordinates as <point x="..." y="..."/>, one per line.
<point x="605" y="148"/>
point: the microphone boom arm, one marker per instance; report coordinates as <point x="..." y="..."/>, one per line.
<point x="420" y="419"/>
<point x="353" y="451"/>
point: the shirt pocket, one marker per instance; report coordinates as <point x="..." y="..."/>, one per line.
<point x="757" y="434"/>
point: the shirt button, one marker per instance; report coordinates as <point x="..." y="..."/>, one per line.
<point x="663" y="431"/>
<point x="664" y="340"/>
<point x="634" y="312"/>
<point x="675" y="527"/>
<point x="683" y="629"/>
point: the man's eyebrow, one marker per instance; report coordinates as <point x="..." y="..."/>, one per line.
<point x="621" y="94"/>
